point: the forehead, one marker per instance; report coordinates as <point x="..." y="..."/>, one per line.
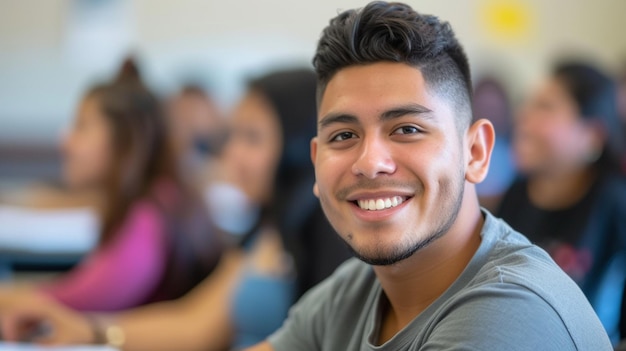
<point x="374" y="88"/>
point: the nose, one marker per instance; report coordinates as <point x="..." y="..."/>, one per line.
<point x="374" y="159"/>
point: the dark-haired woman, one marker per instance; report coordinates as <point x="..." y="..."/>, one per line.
<point x="155" y="242"/>
<point x="571" y="199"/>
<point x="289" y="247"/>
<point x="294" y="247"/>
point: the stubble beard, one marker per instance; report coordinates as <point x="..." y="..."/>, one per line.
<point x="452" y="196"/>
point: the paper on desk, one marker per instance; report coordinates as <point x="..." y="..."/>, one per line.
<point x="31" y="347"/>
<point x="48" y="230"/>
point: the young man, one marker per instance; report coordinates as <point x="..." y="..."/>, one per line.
<point x="396" y="164"/>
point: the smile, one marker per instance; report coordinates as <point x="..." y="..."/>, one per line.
<point x="380" y="204"/>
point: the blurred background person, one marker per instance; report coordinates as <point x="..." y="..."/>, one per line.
<point x="289" y="248"/>
<point x="268" y="159"/>
<point x="198" y="129"/>
<point x="492" y="102"/>
<point x="156" y="241"/>
<point x="571" y="199"/>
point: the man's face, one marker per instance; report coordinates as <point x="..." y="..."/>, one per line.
<point x="388" y="160"/>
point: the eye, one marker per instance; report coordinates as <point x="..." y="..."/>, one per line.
<point x="407" y="130"/>
<point x="343" y="136"/>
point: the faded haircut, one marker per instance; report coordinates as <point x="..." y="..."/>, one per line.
<point x="394" y="32"/>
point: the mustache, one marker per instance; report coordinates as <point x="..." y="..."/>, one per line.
<point x="369" y="184"/>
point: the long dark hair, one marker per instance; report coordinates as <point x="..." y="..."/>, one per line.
<point x="145" y="169"/>
<point x="293" y="209"/>
<point x="595" y="94"/>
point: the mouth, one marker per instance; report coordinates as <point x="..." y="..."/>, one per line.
<point x="380" y="203"/>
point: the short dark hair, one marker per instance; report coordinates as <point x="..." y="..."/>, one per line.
<point x="394" y="32"/>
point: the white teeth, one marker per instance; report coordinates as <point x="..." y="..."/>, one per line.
<point x="380" y="204"/>
<point x="364" y="204"/>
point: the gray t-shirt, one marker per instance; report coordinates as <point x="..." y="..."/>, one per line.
<point x="511" y="296"/>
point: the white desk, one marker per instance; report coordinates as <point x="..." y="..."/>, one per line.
<point x="30" y="347"/>
<point x="50" y="231"/>
<point x="45" y="238"/>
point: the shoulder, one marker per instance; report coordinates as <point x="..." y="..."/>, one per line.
<point x="144" y="222"/>
<point x="519" y="290"/>
<point x="518" y="316"/>
<point x="499" y="316"/>
<point x="162" y="198"/>
<point x="144" y="212"/>
<point x="144" y="208"/>
<point x="509" y="257"/>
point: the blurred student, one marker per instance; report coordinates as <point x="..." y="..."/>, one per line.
<point x="267" y="159"/>
<point x="198" y="130"/>
<point x="491" y="101"/>
<point x="289" y="247"/>
<point x="155" y="241"/>
<point x="572" y="199"/>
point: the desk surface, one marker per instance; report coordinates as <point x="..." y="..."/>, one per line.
<point x="48" y="231"/>
<point x="30" y="347"/>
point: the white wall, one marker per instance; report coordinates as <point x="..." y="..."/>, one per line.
<point x="51" y="50"/>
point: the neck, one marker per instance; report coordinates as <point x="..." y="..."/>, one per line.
<point x="413" y="284"/>
<point x="559" y="189"/>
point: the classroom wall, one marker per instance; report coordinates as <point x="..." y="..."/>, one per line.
<point x="52" y="50"/>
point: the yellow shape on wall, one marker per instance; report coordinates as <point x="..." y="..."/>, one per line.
<point x="509" y="20"/>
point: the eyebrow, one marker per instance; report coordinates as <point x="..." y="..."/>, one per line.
<point x="405" y="110"/>
<point x="396" y="112"/>
<point x="337" y="118"/>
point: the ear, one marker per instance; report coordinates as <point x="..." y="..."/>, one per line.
<point x="480" y="139"/>
<point x="316" y="190"/>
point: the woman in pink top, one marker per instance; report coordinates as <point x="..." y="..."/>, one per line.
<point x="156" y="242"/>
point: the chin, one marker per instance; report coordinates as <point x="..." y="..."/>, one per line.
<point x="385" y="256"/>
<point x="376" y="252"/>
<point x="386" y="253"/>
<point x="383" y="260"/>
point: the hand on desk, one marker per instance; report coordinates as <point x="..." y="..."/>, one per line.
<point x="26" y="315"/>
